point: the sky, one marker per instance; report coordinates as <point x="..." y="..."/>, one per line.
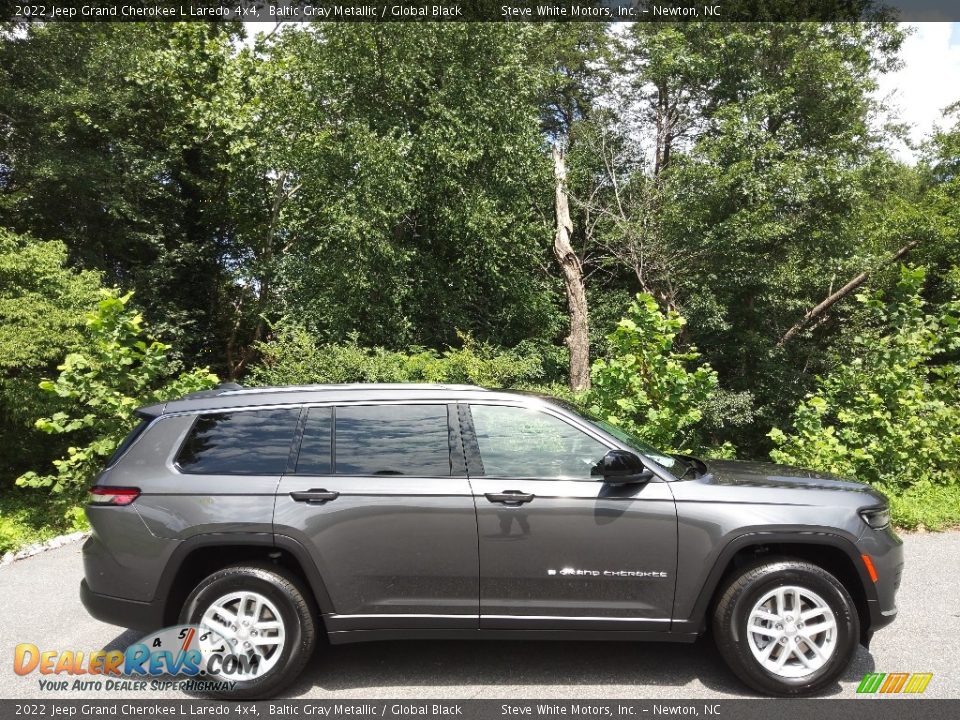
<point x="927" y="83"/>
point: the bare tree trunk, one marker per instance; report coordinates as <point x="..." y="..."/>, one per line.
<point x="832" y="299"/>
<point x="579" y="338"/>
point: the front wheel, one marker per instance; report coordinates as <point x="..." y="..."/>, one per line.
<point x="786" y="627"/>
<point x="262" y="618"/>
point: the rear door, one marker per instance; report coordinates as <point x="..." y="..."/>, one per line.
<point x="378" y="494"/>
<point x="559" y="548"/>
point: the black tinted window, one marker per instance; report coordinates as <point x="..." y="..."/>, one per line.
<point x="255" y="442"/>
<point x="317" y="443"/>
<point x="393" y="440"/>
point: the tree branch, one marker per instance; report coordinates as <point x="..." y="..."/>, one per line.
<point x="834" y="298"/>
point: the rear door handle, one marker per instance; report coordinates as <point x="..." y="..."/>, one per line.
<point x="510" y="497"/>
<point x="315" y="496"/>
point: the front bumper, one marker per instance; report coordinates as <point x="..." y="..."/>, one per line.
<point x="885" y="549"/>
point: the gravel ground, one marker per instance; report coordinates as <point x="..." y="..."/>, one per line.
<point x="41" y="605"/>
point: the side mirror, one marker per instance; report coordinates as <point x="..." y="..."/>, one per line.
<point x="621" y="467"/>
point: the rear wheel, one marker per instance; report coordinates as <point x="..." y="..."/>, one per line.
<point x="265" y="620"/>
<point x="786" y="627"/>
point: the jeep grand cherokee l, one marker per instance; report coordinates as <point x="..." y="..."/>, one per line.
<point x="371" y="512"/>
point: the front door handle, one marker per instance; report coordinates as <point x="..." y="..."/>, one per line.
<point x="315" y="497"/>
<point x="510" y="497"/>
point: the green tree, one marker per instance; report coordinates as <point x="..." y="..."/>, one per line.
<point x="293" y="357"/>
<point x="405" y="163"/>
<point x="646" y="385"/>
<point x="764" y="205"/>
<point x="42" y="307"/>
<point x="120" y="368"/>
<point x="890" y="415"/>
<point x="119" y="139"/>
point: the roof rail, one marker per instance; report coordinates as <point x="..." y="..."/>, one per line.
<point x="218" y="390"/>
<point x="346" y="386"/>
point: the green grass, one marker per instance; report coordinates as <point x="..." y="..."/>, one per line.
<point x="28" y="516"/>
<point x="927" y="507"/>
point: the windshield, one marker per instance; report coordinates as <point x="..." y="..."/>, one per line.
<point x="627" y="438"/>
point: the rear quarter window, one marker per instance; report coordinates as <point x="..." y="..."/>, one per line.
<point x="250" y="442"/>
<point x="127" y="442"/>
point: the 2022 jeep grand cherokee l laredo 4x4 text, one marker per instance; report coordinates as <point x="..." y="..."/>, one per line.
<point x="374" y="512"/>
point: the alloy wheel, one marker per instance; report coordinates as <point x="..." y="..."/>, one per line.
<point x="792" y="632"/>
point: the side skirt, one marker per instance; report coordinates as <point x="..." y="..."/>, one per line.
<point x="354" y="636"/>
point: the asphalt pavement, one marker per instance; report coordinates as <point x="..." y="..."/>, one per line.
<point x="40" y="604"/>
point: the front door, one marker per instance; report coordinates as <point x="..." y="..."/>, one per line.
<point x="560" y="549"/>
<point x="379" y="496"/>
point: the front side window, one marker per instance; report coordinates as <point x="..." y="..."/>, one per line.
<point x="252" y="442"/>
<point x="392" y="440"/>
<point x="521" y="442"/>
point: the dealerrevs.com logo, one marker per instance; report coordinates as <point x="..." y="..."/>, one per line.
<point x="206" y="660"/>
<point x="888" y="683"/>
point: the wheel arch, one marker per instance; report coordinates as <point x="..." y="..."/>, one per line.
<point x="834" y="553"/>
<point x="202" y="555"/>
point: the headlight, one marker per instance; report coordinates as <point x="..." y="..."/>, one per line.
<point x="876" y="518"/>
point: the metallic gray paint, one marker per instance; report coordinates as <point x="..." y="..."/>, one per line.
<point x="389" y="544"/>
<point x="574" y="524"/>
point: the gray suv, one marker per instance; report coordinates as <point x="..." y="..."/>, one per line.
<point x="382" y="512"/>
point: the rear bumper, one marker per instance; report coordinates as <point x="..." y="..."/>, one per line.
<point x="144" y="616"/>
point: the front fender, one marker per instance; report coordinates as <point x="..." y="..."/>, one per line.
<point x="701" y="582"/>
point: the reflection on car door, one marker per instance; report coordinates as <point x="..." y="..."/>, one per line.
<point x="380" y="497"/>
<point x="560" y="549"/>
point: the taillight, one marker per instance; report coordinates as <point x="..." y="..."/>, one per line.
<point x="102" y="495"/>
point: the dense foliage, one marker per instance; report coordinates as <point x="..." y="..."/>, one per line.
<point x="119" y="368"/>
<point x="293" y="357"/>
<point x="359" y="202"/>
<point x="890" y="415"/>
<point x="42" y="306"/>
<point x="645" y="385"/>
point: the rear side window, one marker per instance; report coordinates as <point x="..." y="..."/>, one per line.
<point x="392" y="440"/>
<point x="254" y="442"/>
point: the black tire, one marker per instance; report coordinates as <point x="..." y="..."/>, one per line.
<point x="296" y="611"/>
<point x="747" y="588"/>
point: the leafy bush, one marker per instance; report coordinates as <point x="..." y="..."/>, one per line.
<point x="26" y="518"/>
<point x="42" y="308"/>
<point x="646" y="386"/>
<point x="41" y="301"/>
<point x="891" y="415"/>
<point x="293" y="357"/>
<point x="120" y="369"/>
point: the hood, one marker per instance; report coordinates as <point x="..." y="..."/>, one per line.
<point x="758" y="474"/>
